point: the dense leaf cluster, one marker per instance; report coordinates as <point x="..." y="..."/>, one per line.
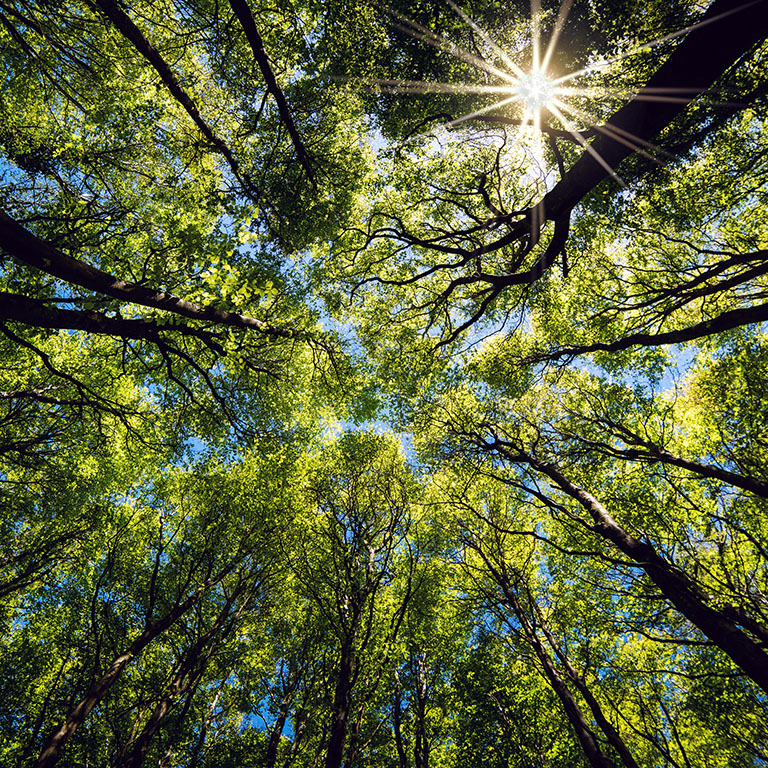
<point x="347" y="421"/>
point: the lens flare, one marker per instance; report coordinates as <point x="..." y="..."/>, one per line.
<point x="535" y="90"/>
<point x="528" y="95"/>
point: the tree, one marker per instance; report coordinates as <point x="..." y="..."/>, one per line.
<point x="240" y="243"/>
<point x="468" y="273"/>
<point x="360" y="500"/>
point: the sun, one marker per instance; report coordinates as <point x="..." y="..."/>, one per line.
<point x="525" y="93"/>
<point x="536" y="91"/>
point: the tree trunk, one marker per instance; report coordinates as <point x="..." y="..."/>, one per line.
<point x="243" y="13"/>
<point x="397" y="714"/>
<point x="421" y="747"/>
<point x="101" y="685"/>
<point x="341" y="704"/>
<point x="279" y="726"/>
<point x="611" y="734"/>
<point x="192" y="666"/>
<point x="131" y="32"/>
<point x="575" y="716"/>
<point x="681" y="592"/>
<point x="299" y="728"/>
<point x="37" y="253"/>
<point x="734" y="318"/>
<point x="730" y="28"/>
<point x="138" y="751"/>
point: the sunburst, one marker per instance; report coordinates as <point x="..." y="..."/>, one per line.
<point x="537" y="93"/>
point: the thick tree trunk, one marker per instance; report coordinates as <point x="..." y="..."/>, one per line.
<point x="342" y="701"/>
<point x="681" y="592"/>
<point x="37" y="253"/>
<point x="611" y="734"/>
<point x="98" y="689"/>
<point x="39" y="315"/>
<point x="728" y="30"/>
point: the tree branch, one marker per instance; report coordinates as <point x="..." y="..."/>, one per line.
<point x="654" y="452"/>
<point x="725" y="322"/>
<point x="130" y="31"/>
<point x="726" y="32"/>
<point x="40" y="254"/>
<point x="35" y="313"/>
<point x="243" y="13"/>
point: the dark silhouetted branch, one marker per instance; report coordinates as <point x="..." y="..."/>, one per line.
<point x="35" y="313"/>
<point x="131" y="32"/>
<point x="243" y="13"/>
<point x="725" y="322"/>
<point x="37" y="253"/>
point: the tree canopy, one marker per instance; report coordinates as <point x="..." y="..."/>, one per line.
<point x="384" y="385"/>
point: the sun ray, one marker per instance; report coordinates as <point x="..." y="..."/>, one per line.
<point x="526" y="118"/>
<point x="543" y="99"/>
<point x="481" y="111"/>
<point x="599" y="91"/>
<point x="562" y="16"/>
<point x="535" y="36"/>
<point x="630" y="141"/>
<point x="500" y="52"/>
<point x="635" y="143"/>
<point x="636" y="95"/>
<point x="585" y="144"/>
<point x="520" y="132"/>
<point x="429" y="86"/>
<point x="419" y="32"/>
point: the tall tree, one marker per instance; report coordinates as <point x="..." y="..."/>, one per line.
<point x="240" y="242"/>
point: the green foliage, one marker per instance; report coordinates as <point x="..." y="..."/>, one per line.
<point x="511" y="717"/>
<point x="334" y="432"/>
